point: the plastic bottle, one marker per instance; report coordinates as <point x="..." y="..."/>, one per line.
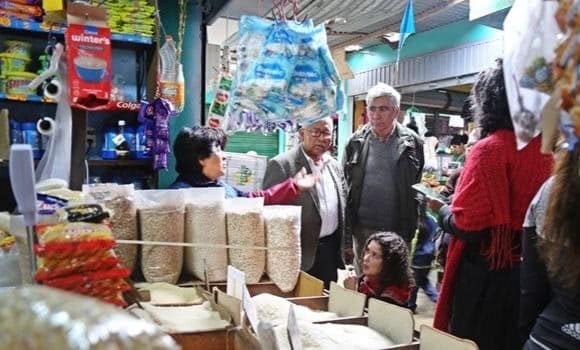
<point x="15" y="132"/>
<point x="31" y="136"/>
<point x="171" y="80"/>
<point x="130" y="137"/>
<point x="108" y="147"/>
<point x="121" y="144"/>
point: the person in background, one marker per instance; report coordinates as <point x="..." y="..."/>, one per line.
<point x="550" y="278"/>
<point x="382" y="161"/>
<point x="423" y="256"/>
<point x="322" y="230"/>
<point x="386" y="274"/>
<point x="474" y="136"/>
<point x="497" y="184"/>
<point x="457" y="146"/>
<point x="200" y="162"/>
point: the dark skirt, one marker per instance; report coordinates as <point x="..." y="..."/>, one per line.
<point x="485" y="304"/>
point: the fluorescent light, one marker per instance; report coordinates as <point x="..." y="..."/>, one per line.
<point x="351" y="48"/>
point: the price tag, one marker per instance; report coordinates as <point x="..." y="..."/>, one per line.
<point x="236" y="282"/>
<point x="250" y="309"/>
<point x="293" y="331"/>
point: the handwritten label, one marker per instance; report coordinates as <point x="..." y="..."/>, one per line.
<point x="236" y="282"/>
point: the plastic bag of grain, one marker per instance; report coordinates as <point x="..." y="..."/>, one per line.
<point x="245" y="227"/>
<point x="161" y="219"/>
<point x="120" y="202"/>
<point x="282" y="226"/>
<point x="205" y="222"/>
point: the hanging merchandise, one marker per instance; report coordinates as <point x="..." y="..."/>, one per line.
<point x="171" y="85"/>
<point x="89" y="57"/>
<point x="285" y="72"/>
<point x="155" y="117"/>
<point x="565" y="72"/>
<point x="217" y="117"/>
<point x="530" y="37"/>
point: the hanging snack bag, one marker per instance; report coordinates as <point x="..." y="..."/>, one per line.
<point x="529" y="40"/>
<point x="161" y="219"/>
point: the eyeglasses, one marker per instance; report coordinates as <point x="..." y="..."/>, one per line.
<point x="382" y="109"/>
<point x="318" y="132"/>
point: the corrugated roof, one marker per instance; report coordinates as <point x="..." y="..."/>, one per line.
<point x="368" y="16"/>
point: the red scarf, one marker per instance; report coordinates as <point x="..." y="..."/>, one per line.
<point x="369" y="287"/>
<point x="494" y="191"/>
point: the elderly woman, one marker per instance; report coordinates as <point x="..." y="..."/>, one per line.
<point x="386" y="270"/>
<point x="201" y="162"/>
<point x="479" y="296"/>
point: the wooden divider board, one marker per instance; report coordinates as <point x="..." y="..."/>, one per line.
<point x="394" y="321"/>
<point x="345" y="302"/>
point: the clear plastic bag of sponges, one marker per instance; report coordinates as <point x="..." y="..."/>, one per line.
<point x="43" y="318"/>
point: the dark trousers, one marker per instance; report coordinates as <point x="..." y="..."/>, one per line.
<point x="326" y="261"/>
<point x="422" y="281"/>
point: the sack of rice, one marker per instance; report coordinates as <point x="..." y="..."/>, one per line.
<point x="205" y="222"/>
<point x="282" y="226"/>
<point x="120" y="202"/>
<point x="245" y="227"/>
<point x="161" y="219"/>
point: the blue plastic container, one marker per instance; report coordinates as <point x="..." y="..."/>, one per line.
<point x="130" y="137"/>
<point x="108" y="148"/>
<point x="31" y="136"/>
<point x="140" y="144"/>
<point x="15" y="132"/>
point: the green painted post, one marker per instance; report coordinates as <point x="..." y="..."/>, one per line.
<point x="192" y="66"/>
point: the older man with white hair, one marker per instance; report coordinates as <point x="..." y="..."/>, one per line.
<point x="322" y="226"/>
<point x="382" y="160"/>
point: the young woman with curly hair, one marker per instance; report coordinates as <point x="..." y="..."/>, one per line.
<point x="386" y="270"/>
<point x="479" y="296"/>
<point x="550" y="279"/>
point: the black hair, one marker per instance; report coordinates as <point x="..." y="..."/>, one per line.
<point x="489" y="101"/>
<point x="194" y="144"/>
<point x="396" y="269"/>
<point x="429" y="133"/>
<point x="458" y="139"/>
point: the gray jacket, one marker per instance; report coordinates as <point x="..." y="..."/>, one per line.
<point x="409" y="168"/>
<point x="287" y="165"/>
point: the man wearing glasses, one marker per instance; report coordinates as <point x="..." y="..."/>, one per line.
<point x="322" y="229"/>
<point x="382" y="160"/>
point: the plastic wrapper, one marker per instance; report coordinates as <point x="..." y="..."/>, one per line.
<point x="70" y="240"/>
<point x="43" y="318"/>
<point x="119" y="201"/>
<point x="53" y="268"/>
<point x="285" y="73"/>
<point x="205" y="222"/>
<point x="245" y="227"/>
<point x="530" y="37"/>
<point x="161" y="219"/>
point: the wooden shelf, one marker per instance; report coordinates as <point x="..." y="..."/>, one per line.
<point x="117" y="163"/>
<point x="114" y="163"/>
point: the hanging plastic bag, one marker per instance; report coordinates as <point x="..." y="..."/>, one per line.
<point x="155" y="117"/>
<point x="530" y="37"/>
